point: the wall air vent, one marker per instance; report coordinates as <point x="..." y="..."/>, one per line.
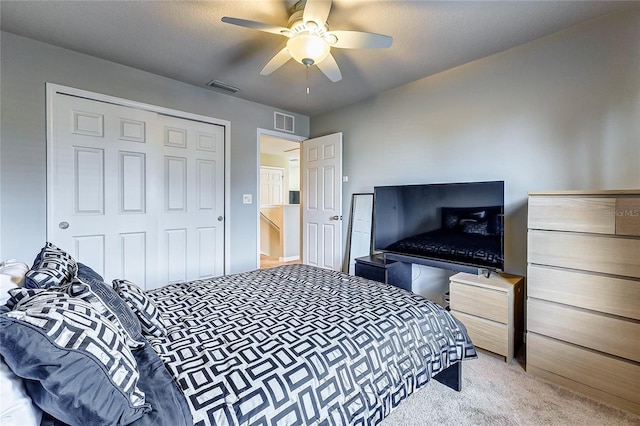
<point x="216" y="84"/>
<point x="283" y="122"/>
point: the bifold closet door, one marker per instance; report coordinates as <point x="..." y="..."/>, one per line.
<point x="135" y="194"/>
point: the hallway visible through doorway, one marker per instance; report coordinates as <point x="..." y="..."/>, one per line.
<point x="272" y="262"/>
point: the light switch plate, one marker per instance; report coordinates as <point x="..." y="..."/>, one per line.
<point x="247" y="199"/>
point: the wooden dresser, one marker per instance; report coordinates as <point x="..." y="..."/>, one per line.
<point x="583" y="285"/>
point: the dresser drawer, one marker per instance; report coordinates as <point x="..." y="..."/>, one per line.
<point x="628" y="216"/>
<point x="489" y="335"/>
<point x="602" y="293"/>
<point x="576" y="214"/>
<point x="612" y="375"/>
<point x="590" y="252"/>
<point x="604" y="333"/>
<point x="482" y="302"/>
<point x="602" y="215"/>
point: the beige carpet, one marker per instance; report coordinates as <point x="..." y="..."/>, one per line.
<point x="495" y="393"/>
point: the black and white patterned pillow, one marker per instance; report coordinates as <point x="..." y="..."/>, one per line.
<point x="51" y="267"/>
<point x="76" y="364"/>
<point x="107" y="303"/>
<point x="475" y="227"/>
<point x="145" y="309"/>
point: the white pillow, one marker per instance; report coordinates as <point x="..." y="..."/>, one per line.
<point x="5" y="285"/>
<point x="16" y="408"/>
<point x="15" y="270"/>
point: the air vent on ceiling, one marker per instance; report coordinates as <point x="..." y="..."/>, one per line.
<point x="216" y="84"/>
<point x="283" y="122"/>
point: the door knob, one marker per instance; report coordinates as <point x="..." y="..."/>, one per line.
<point x="220" y="218"/>
<point x="63" y="225"/>
<point x="336" y="217"/>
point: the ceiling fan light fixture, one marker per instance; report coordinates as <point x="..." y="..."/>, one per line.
<point x="330" y="38"/>
<point x="308" y="49"/>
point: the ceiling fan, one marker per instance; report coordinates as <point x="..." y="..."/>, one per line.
<point x="310" y="40"/>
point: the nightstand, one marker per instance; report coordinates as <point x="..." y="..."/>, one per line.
<point x="377" y="268"/>
<point x="491" y="309"/>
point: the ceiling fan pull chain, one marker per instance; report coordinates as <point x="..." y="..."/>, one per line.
<point x="307" y="95"/>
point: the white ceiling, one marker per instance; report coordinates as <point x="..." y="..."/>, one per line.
<point x="282" y="147"/>
<point x="186" y="40"/>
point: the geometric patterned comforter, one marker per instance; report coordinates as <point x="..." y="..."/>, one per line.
<point x="301" y="345"/>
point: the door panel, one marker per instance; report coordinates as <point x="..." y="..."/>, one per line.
<point x="322" y="201"/>
<point x="271" y="186"/>
<point x="136" y="194"/>
<point x="194" y="200"/>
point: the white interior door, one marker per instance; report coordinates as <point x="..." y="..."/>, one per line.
<point x="322" y="201"/>
<point x="135" y="194"/>
<point x="271" y="186"/>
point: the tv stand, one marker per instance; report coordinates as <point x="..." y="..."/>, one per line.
<point x="435" y="263"/>
<point x="484" y="272"/>
<point x="395" y="269"/>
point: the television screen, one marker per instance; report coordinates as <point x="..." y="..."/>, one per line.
<point x="459" y="226"/>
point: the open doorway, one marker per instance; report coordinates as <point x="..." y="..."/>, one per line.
<point x="279" y="214"/>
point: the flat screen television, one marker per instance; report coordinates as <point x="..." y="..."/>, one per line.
<point x="456" y="226"/>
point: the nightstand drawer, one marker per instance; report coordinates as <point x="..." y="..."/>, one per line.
<point x="371" y="272"/>
<point x="385" y="271"/>
<point x="489" y="335"/>
<point x="479" y="301"/>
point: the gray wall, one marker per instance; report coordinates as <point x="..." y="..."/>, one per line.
<point x="25" y="67"/>
<point x="562" y="112"/>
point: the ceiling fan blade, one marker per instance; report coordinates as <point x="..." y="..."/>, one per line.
<point x="255" y="25"/>
<point x="360" y="40"/>
<point x="281" y="58"/>
<point x="329" y="67"/>
<point x="317" y="11"/>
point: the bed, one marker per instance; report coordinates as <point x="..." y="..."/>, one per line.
<point x="283" y="346"/>
<point x="466" y="235"/>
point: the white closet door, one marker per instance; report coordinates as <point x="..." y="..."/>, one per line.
<point x="135" y="194"/>
<point x="191" y="222"/>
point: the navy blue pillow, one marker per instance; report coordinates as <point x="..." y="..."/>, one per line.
<point x="87" y="274"/>
<point x="75" y="364"/>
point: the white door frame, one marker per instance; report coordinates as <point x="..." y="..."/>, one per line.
<point x="276" y="134"/>
<point x="52" y="89"/>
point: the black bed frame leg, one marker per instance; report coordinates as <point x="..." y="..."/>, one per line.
<point x="451" y="376"/>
